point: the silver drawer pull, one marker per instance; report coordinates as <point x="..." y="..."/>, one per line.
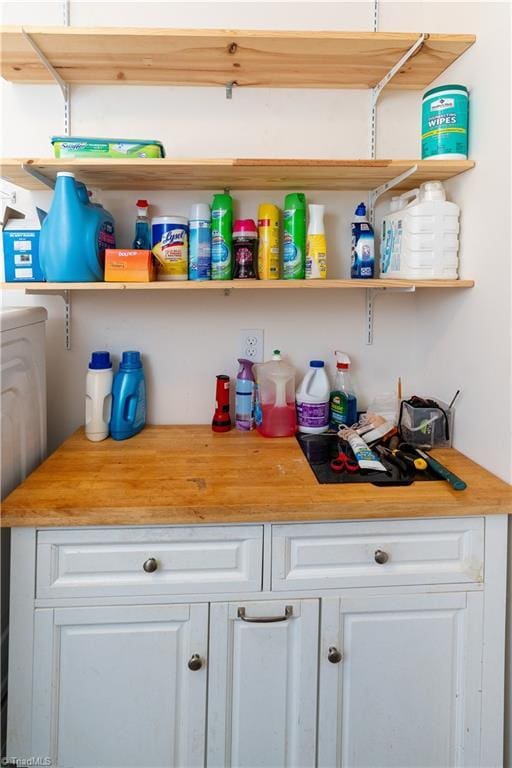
<point x="288" y="612"/>
<point x="380" y="556"/>
<point x="150" y="565"/>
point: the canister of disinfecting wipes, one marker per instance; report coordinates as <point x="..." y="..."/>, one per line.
<point x="444" y="127"/>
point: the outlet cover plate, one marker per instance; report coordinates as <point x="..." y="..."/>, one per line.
<point x="251" y="344"/>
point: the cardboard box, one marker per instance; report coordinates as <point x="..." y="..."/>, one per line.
<point x="123" y="266"/>
<point x="20" y="236"/>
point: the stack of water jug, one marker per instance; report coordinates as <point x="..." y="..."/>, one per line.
<point x="420" y="235"/>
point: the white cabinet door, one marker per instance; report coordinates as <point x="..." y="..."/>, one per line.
<point x="406" y="692"/>
<point x="262" y="688"/>
<point x="112" y="686"/>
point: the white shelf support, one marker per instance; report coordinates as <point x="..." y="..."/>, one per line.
<point x="371" y="295"/>
<point x="377" y="90"/>
<point x="64" y="87"/>
<point x="65" y="295"/>
<point x="378" y="191"/>
<point x="9" y="197"/>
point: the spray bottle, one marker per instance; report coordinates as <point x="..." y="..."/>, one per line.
<point x="142" y="241"/>
<point x="343" y="401"/>
<point x="268" y="244"/>
<point x="294" y="236"/>
<point x="244" y="402"/>
<point x="316" y="246"/>
<point x="222" y="237"/>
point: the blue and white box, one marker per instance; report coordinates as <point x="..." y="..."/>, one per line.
<point x="20" y="235"/>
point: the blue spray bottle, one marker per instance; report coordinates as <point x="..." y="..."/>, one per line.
<point x="363" y="245"/>
<point x="128" y="398"/>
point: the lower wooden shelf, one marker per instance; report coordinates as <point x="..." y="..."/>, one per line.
<point x="251" y="285"/>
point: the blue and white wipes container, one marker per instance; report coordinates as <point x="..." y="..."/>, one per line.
<point x="444" y="124"/>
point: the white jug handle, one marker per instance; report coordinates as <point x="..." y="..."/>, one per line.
<point x="412" y="194"/>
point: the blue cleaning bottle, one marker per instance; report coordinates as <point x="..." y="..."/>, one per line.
<point x="74" y="234"/>
<point x="363" y="245"/>
<point x="128" y="398"/>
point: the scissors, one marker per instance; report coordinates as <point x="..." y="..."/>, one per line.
<point x="344" y="463"/>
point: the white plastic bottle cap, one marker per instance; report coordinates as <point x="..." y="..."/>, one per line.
<point x="66" y="173"/>
<point x="200" y="212"/>
<point x="432" y="190"/>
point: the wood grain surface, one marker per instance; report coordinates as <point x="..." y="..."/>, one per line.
<point x="188" y="474"/>
<point x="209" y="57"/>
<point x="233" y="173"/>
<point x="235" y="285"/>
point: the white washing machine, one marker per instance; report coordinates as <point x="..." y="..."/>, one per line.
<point x="23" y="401"/>
<point x="23" y="429"/>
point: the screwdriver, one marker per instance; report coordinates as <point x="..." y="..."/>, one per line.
<point x="419" y="463"/>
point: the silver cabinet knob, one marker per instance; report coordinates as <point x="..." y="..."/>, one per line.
<point x="150" y="565"/>
<point x="381" y="557"/>
<point x="195" y="662"/>
<point x="334" y="656"/>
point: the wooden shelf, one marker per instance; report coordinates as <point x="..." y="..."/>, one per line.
<point x="229" y="285"/>
<point x="207" y="57"/>
<point x="233" y="173"/>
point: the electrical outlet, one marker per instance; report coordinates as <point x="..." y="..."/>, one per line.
<point x="251" y="344"/>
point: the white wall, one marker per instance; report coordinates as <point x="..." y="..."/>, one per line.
<point x="436" y="341"/>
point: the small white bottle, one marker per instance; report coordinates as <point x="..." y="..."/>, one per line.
<point x="98" y="396"/>
<point x="312" y="399"/>
<point x="316" y="245"/>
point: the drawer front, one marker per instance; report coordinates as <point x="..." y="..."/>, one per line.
<point x="389" y="552"/>
<point x="121" y="562"/>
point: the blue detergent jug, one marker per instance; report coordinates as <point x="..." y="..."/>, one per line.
<point x="128" y="398"/>
<point x="74" y="234"/>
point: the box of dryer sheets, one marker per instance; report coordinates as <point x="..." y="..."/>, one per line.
<point x="20" y="237"/>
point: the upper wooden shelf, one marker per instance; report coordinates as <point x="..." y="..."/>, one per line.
<point x="208" y="57"/>
<point x="235" y="174"/>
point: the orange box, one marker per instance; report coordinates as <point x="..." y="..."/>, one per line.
<point x="123" y="266"/>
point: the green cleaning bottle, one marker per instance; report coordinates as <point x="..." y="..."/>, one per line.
<point x="294" y="245"/>
<point x="222" y="237"/>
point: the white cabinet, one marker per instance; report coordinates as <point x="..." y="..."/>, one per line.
<point x="100" y="646"/>
<point x="112" y="686"/>
<point x="407" y="691"/>
<point x="263" y="684"/>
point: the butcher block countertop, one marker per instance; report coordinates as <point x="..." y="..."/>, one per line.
<point x="187" y="474"/>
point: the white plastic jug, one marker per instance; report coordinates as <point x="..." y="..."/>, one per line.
<point x="313" y="400"/>
<point x="420" y="240"/>
<point x="98" y="397"/>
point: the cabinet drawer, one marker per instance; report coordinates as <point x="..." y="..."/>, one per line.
<point x="388" y="552"/>
<point x="114" y="562"/>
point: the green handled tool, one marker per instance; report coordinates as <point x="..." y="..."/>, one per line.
<point x="456" y="483"/>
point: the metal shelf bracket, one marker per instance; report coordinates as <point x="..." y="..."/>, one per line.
<point x="38" y="175"/>
<point x="64" y="87"/>
<point x="378" y="191"/>
<point x="377" y="90"/>
<point x="371" y="295"/>
<point x="66" y="297"/>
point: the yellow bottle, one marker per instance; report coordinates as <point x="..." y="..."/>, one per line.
<point x="316" y="245"/>
<point x="268" y="245"/>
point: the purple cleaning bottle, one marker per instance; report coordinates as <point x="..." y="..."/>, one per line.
<point x="244" y="402"/>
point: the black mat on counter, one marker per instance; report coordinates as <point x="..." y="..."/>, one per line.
<point x="320" y="450"/>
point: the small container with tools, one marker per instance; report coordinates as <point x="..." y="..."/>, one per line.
<point x="426" y="423"/>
